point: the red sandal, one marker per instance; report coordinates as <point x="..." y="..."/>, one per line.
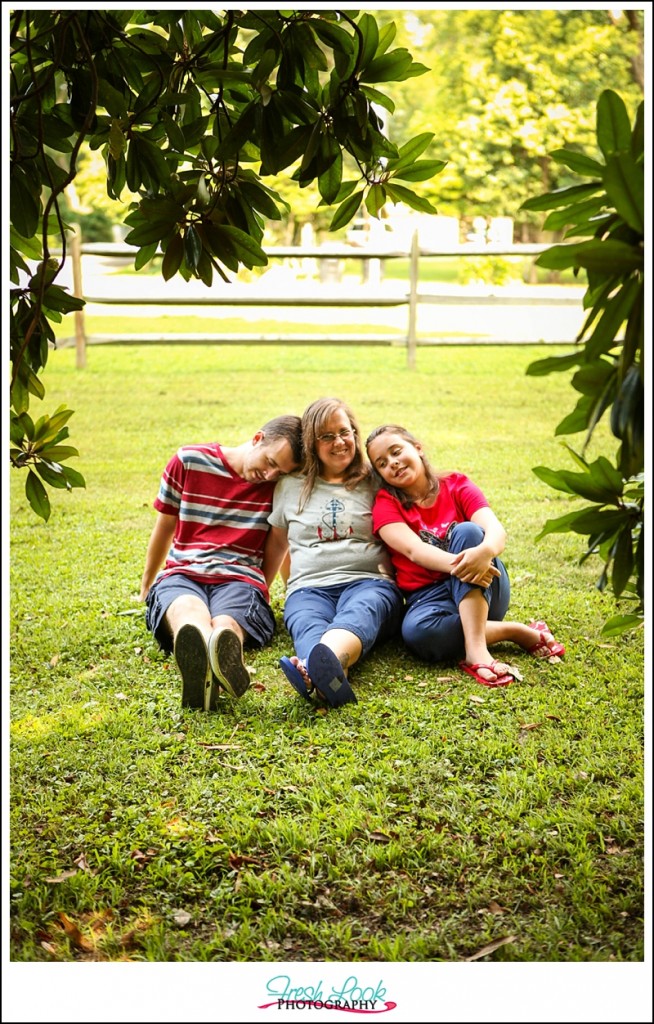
<point x="473" y="670"/>
<point x="544" y="648"/>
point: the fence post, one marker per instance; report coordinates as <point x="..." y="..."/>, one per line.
<point x="413" y="302"/>
<point x="80" y="335"/>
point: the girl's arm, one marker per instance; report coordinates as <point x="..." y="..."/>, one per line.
<point x="274" y="552"/>
<point x="158" y="547"/>
<point x="473" y="564"/>
<point x="402" y="539"/>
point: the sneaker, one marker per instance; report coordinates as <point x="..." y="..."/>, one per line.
<point x="192" y="660"/>
<point x="226" y="660"/>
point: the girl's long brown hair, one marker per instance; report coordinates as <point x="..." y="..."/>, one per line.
<point x="379" y="482"/>
<point x="314" y="418"/>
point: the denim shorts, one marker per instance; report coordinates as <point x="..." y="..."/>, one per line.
<point x="369" y="608"/>
<point x="245" y="603"/>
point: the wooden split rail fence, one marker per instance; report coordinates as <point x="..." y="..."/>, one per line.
<point x="365" y="297"/>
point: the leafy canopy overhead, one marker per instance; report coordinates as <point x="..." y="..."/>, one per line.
<point x="191" y="111"/>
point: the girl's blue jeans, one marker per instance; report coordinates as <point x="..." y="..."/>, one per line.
<point x="432" y="625"/>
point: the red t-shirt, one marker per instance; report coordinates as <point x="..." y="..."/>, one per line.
<point x="457" y="501"/>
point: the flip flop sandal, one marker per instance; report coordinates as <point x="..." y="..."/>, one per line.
<point x="543" y="649"/>
<point x="295" y="678"/>
<point x="473" y="670"/>
<point x="328" y="677"/>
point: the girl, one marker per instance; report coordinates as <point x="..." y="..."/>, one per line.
<point x="444" y="541"/>
<point x="341" y="595"/>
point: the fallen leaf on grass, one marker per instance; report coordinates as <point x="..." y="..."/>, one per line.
<point x="82" y="862"/>
<point x="613" y="849"/>
<point x="495" y="908"/>
<point x="181" y="918"/>
<point x="237" y="860"/>
<point x="63" y="876"/>
<point x="142" y="858"/>
<point x="380" y="837"/>
<point x="49" y="948"/>
<point x="259" y="687"/>
<point x="526" y="726"/>
<point x="490" y="948"/>
<point x="121" y="696"/>
<point x="221" y="746"/>
<point x="53" y="660"/>
<point x="554" y="718"/>
<point x="475" y="699"/>
<point x="74" y="934"/>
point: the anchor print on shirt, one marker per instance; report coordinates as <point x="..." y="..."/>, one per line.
<point x="334" y="525"/>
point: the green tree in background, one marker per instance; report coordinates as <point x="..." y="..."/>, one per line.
<point x="192" y="111"/>
<point x="506" y="88"/>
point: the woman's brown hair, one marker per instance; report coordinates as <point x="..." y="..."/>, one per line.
<point x="314" y="419"/>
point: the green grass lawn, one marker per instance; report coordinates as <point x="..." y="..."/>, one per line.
<point x="427" y="821"/>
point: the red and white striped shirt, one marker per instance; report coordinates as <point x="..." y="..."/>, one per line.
<point x="222" y="519"/>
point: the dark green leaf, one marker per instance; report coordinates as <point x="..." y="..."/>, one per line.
<point x="618" y="624"/>
<point x="346" y="211"/>
<point x="562" y="197"/>
<point x="245" y="247"/>
<point x="578" y="215"/>
<point x="57" y="452"/>
<point x="578" y="419"/>
<point x="52" y="473"/>
<point x="395" y="66"/>
<point x="410" y="151"/>
<point x="333" y="36"/>
<point x="554" y="364"/>
<point x="623" y="561"/>
<point x="329" y="182"/>
<point x="576" y="483"/>
<point x="173" y="257"/>
<point x="192" y="247"/>
<point x="37" y="496"/>
<point x="24" y="204"/>
<point x="370" y="34"/>
<point x="400" y="194"/>
<point x="562" y="524"/>
<point x="578" y="162"/>
<point x="624" y="182"/>
<point x="617" y="310"/>
<point x="613" y="127"/>
<point x="422" y="170"/>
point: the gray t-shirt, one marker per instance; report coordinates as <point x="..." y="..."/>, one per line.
<point x="330" y="540"/>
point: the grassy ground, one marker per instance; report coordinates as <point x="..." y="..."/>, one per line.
<point x="429" y="820"/>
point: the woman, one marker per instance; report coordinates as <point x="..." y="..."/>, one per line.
<point x="445" y="541"/>
<point x="341" y="597"/>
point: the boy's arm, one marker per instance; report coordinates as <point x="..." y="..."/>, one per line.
<point x="273" y="553"/>
<point x="158" y="547"/>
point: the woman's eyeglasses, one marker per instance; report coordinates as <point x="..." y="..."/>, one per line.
<point x="343" y="434"/>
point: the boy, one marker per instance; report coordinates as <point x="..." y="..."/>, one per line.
<point x="211" y="597"/>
